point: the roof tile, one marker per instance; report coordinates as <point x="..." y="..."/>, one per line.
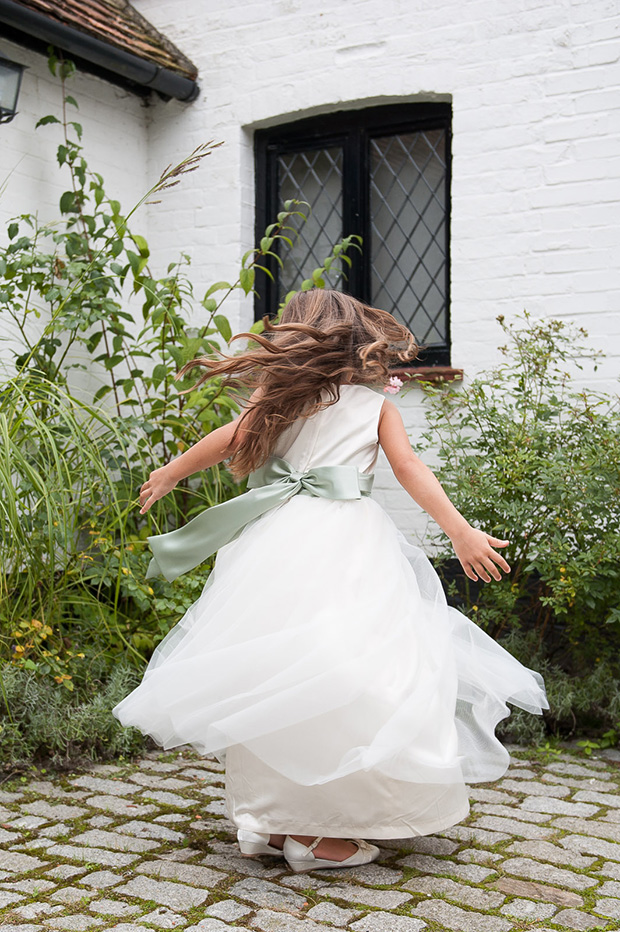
<point x="119" y="24"/>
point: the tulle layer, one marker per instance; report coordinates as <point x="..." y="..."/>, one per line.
<point x="323" y="644"/>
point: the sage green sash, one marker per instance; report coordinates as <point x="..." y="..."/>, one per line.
<point x="271" y="485"/>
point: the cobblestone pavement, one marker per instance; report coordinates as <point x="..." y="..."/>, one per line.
<point x="142" y="846"/>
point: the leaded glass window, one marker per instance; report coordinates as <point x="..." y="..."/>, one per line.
<point x="316" y="178"/>
<point x="383" y="174"/>
<point x="408" y="227"/>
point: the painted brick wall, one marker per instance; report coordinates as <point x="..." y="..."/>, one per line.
<point x="114" y="141"/>
<point x="115" y="138"/>
<point x="536" y="151"/>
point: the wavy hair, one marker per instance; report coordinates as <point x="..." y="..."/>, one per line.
<point x="324" y="339"/>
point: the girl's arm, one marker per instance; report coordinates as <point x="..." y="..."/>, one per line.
<point x="212" y="449"/>
<point x="473" y="547"/>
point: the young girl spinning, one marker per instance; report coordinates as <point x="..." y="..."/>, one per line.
<point x="321" y="659"/>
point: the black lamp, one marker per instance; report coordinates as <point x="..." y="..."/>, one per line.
<point x="10" y="82"/>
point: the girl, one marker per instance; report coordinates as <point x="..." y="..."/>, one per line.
<point x="321" y="658"/>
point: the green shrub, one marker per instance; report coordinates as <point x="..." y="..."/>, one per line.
<point x="79" y="294"/>
<point x="38" y="721"/>
<point x="527" y="456"/>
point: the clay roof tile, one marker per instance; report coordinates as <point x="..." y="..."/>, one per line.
<point x="119" y="24"/>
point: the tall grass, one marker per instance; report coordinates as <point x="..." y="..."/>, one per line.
<point x="62" y="491"/>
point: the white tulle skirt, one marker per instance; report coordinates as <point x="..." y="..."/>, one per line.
<point x="323" y="661"/>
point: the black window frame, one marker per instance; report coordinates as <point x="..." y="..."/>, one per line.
<point x="352" y="130"/>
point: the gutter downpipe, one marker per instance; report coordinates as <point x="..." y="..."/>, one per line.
<point x="128" y="66"/>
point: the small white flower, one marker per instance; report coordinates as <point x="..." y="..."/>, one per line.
<point x="394" y="385"/>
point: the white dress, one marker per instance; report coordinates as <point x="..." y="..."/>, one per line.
<point x="323" y="662"/>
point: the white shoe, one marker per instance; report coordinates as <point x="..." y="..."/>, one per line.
<point x="301" y="859"/>
<point x="254" y="843"/>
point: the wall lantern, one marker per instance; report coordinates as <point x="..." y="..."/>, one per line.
<point x="10" y="81"/>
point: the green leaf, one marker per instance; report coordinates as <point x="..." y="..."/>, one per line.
<point x="176" y="354"/>
<point x="67" y="203"/>
<point x="218" y="286"/>
<point x="136" y="262"/>
<point x="246" y="279"/>
<point x="223" y="326"/>
<point x="78" y="128"/>
<point x="52" y="59"/>
<point x="44" y="121"/>
<point x="102" y="392"/>
<point x="13" y="230"/>
<point x="93" y="341"/>
<point x="266" y="271"/>
<point x="141" y="243"/>
<point x="72" y="101"/>
<point x="112" y="361"/>
<point x="266" y="243"/>
<point x="159" y="372"/>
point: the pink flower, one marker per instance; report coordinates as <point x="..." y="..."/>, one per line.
<point x="394" y="385"/>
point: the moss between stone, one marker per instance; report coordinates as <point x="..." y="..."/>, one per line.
<point x="312" y="896"/>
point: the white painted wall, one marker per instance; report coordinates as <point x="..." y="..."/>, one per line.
<point x="536" y="150"/>
<point x="115" y="138"/>
<point x="114" y="144"/>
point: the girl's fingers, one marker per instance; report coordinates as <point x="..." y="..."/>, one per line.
<point x="491" y="568"/>
<point x="496" y="542"/>
<point x="145" y="498"/>
<point x="498" y="558"/>
<point x="469" y="571"/>
<point x="482" y="572"/>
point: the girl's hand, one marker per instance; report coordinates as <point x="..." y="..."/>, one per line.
<point x="475" y="552"/>
<point x="158" y="484"/>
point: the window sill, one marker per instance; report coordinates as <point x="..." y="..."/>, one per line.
<point x="429" y="374"/>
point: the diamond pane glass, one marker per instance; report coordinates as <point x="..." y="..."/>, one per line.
<point x="314" y="176"/>
<point x="408" y="227"/>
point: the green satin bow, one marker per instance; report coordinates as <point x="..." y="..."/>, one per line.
<point x="274" y="483"/>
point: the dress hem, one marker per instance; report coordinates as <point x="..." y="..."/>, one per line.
<point x="396" y="830"/>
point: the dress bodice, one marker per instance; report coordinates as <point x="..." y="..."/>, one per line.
<point x="343" y="434"/>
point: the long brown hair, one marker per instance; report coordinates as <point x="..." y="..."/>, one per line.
<point x="324" y="339"/>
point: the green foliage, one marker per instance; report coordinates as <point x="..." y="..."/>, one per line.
<point x="40" y="721"/>
<point x="90" y="408"/>
<point x="527" y="456"/>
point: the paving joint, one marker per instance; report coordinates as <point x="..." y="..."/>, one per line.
<point x="147" y="846"/>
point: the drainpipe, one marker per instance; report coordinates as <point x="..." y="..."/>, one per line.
<point x="155" y="77"/>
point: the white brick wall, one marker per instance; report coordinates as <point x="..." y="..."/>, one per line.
<point x="115" y="138"/>
<point x="536" y="150"/>
<point x="114" y="141"/>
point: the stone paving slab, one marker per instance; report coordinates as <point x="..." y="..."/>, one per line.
<point x="146" y="846"/>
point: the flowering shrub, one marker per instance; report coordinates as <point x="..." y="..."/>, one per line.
<point x="527" y="456"/>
